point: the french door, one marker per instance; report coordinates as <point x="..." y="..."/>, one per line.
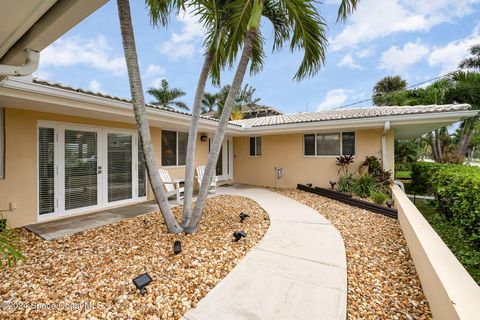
<point x="83" y="168"/>
<point x="224" y="168"/>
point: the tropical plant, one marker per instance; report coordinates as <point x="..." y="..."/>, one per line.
<point x="245" y="98"/>
<point x="472" y="62"/>
<point x="365" y="185"/>
<point x="343" y="162"/>
<point x="305" y="30"/>
<point x="346" y="183"/>
<point x="9" y="252"/>
<point x="406" y="153"/>
<point x="167" y="97"/>
<point x="237" y="113"/>
<point x="378" y="197"/>
<point x="372" y="164"/>
<point x="209" y="102"/>
<point x="385" y="87"/>
<point x="139" y="109"/>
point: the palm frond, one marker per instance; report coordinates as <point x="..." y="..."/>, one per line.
<point x="160" y="10"/>
<point x="346" y="9"/>
<point x="181" y="105"/>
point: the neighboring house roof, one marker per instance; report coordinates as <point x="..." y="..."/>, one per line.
<point x="343" y="114"/>
<point x="253" y="109"/>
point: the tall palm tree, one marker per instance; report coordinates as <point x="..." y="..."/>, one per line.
<point x="209" y="102"/>
<point x="387" y="86"/>
<point x="472" y="62"/>
<point x="139" y="110"/>
<point x="307" y="33"/>
<point x="167" y="97"/>
<point x="215" y="16"/>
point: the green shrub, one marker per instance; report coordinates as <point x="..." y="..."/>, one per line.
<point x="9" y="254"/>
<point x="457" y="189"/>
<point x="365" y="184"/>
<point x="346" y="183"/>
<point x="422" y="173"/>
<point x="379" y="197"/>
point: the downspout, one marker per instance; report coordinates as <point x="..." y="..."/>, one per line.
<point x="386" y="129"/>
<point x="32" y="59"/>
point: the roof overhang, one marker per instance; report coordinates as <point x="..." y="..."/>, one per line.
<point x="35" y="24"/>
<point x="21" y="94"/>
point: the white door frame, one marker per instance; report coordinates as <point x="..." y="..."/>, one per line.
<point x="102" y="160"/>
<point x="227" y="158"/>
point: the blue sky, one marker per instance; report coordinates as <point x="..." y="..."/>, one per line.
<point x="418" y="40"/>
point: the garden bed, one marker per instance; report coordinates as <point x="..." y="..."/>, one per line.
<point x="91" y="273"/>
<point x="382" y="280"/>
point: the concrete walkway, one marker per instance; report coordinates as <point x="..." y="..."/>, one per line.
<point x="297" y="271"/>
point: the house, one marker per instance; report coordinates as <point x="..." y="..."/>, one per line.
<point x="248" y="112"/>
<point x="66" y="151"/>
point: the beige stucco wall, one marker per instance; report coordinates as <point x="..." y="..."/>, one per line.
<point x="286" y="151"/>
<point x="450" y="290"/>
<point x="20" y="183"/>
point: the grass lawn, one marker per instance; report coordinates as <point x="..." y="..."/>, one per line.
<point x="403" y="175"/>
<point x="454" y="238"/>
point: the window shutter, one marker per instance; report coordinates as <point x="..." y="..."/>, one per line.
<point x="46" y="170"/>
<point x="309" y="144"/>
<point x="348" y="143"/>
<point x="182" y="148"/>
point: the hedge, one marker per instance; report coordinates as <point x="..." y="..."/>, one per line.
<point x="457" y="189"/>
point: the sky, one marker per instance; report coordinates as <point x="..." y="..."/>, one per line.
<point x="418" y="40"/>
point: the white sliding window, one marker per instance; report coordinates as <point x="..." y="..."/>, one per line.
<point x="329" y="144"/>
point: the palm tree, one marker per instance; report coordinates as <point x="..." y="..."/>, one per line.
<point x="307" y="33"/>
<point x="386" y="87"/>
<point x="209" y="102"/>
<point x="139" y="109"/>
<point x="215" y="16"/>
<point x="167" y="97"/>
<point x="472" y="62"/>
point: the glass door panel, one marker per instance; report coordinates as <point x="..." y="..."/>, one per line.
<point x="81" y="161"/>
<point x="119" y="164"/>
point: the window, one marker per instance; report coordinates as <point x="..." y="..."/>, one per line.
<point x="174" y="148"/>
<point x="329" y="144"/>
<point x="255" y="146"/>
<point x="2" y="144"/>
<point x="46" y="170"/>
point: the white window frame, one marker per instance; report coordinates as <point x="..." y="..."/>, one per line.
<point x="327" y="156"/>
<point x="176" y="165"/>
<point x="249" y="141"/>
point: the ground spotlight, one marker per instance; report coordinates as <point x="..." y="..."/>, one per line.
<point x="243" y="216"/>
<point x="389" y="203"/>
<point x="141" y="282"/>
<point x="177" y="247"/>
<point x="333" y="183"/>
<point x="309" y="185"/>
<point x="239" y="235"/>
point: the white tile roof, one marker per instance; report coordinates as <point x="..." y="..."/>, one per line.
<point x="342" y="114"/>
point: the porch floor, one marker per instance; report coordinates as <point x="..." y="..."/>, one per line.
<point x="52" y="230"/>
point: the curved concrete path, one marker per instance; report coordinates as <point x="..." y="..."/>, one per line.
<point x="297" y="271"/>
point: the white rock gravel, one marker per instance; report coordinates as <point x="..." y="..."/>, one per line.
<point x="89" y="275"/>
<point x="382" y="280"/>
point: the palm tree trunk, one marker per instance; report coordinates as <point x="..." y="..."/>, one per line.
<point x="220" y="132"/>
<point x="465" y="140"/>
<point x="139" y="109"/>
<point x="438" y="145"/>
<point x="434" y="146"/>
<point x="192" y="139"/>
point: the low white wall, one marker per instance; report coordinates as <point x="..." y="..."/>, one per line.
<point x="450" y="290"/>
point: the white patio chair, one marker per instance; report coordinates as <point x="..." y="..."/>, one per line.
<point x="200" y="173"/>
<point x="172" y="187"/>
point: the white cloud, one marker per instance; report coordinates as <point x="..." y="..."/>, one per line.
<point x="367" y="52"/>
<point x="95" y="53"/>
<point x="398" y="60"/>
<point x="154" y="70"/>
<point x="94" y="85"/>
<point x="347" y="61"/>
<point x="448" y="56"/>
<point x="374" y="19"/>
<point x="156" y="83"/>
<point x="185" y="43"/>
<point x="334" y="98"/>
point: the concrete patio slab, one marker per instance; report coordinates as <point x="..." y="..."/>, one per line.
<point x="297" y="271"/>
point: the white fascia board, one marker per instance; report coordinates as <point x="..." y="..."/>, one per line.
<point x="63" y="97"/>
<point x="363" y="123"/>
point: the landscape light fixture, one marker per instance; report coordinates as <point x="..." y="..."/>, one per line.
<point x="333" y="183"/>
<point x="141" y="282"/>
<point x="309" y="185"/>
<point x="203" y="137"/>
<point x="177" y="247"/>
<point x="389" y="203"/>
<point x="239" y="235"/>
<point x="243" y="216"/>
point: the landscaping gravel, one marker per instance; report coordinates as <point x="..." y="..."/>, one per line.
<point x="89" y="275"/>
<point x="382" y="280"/>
